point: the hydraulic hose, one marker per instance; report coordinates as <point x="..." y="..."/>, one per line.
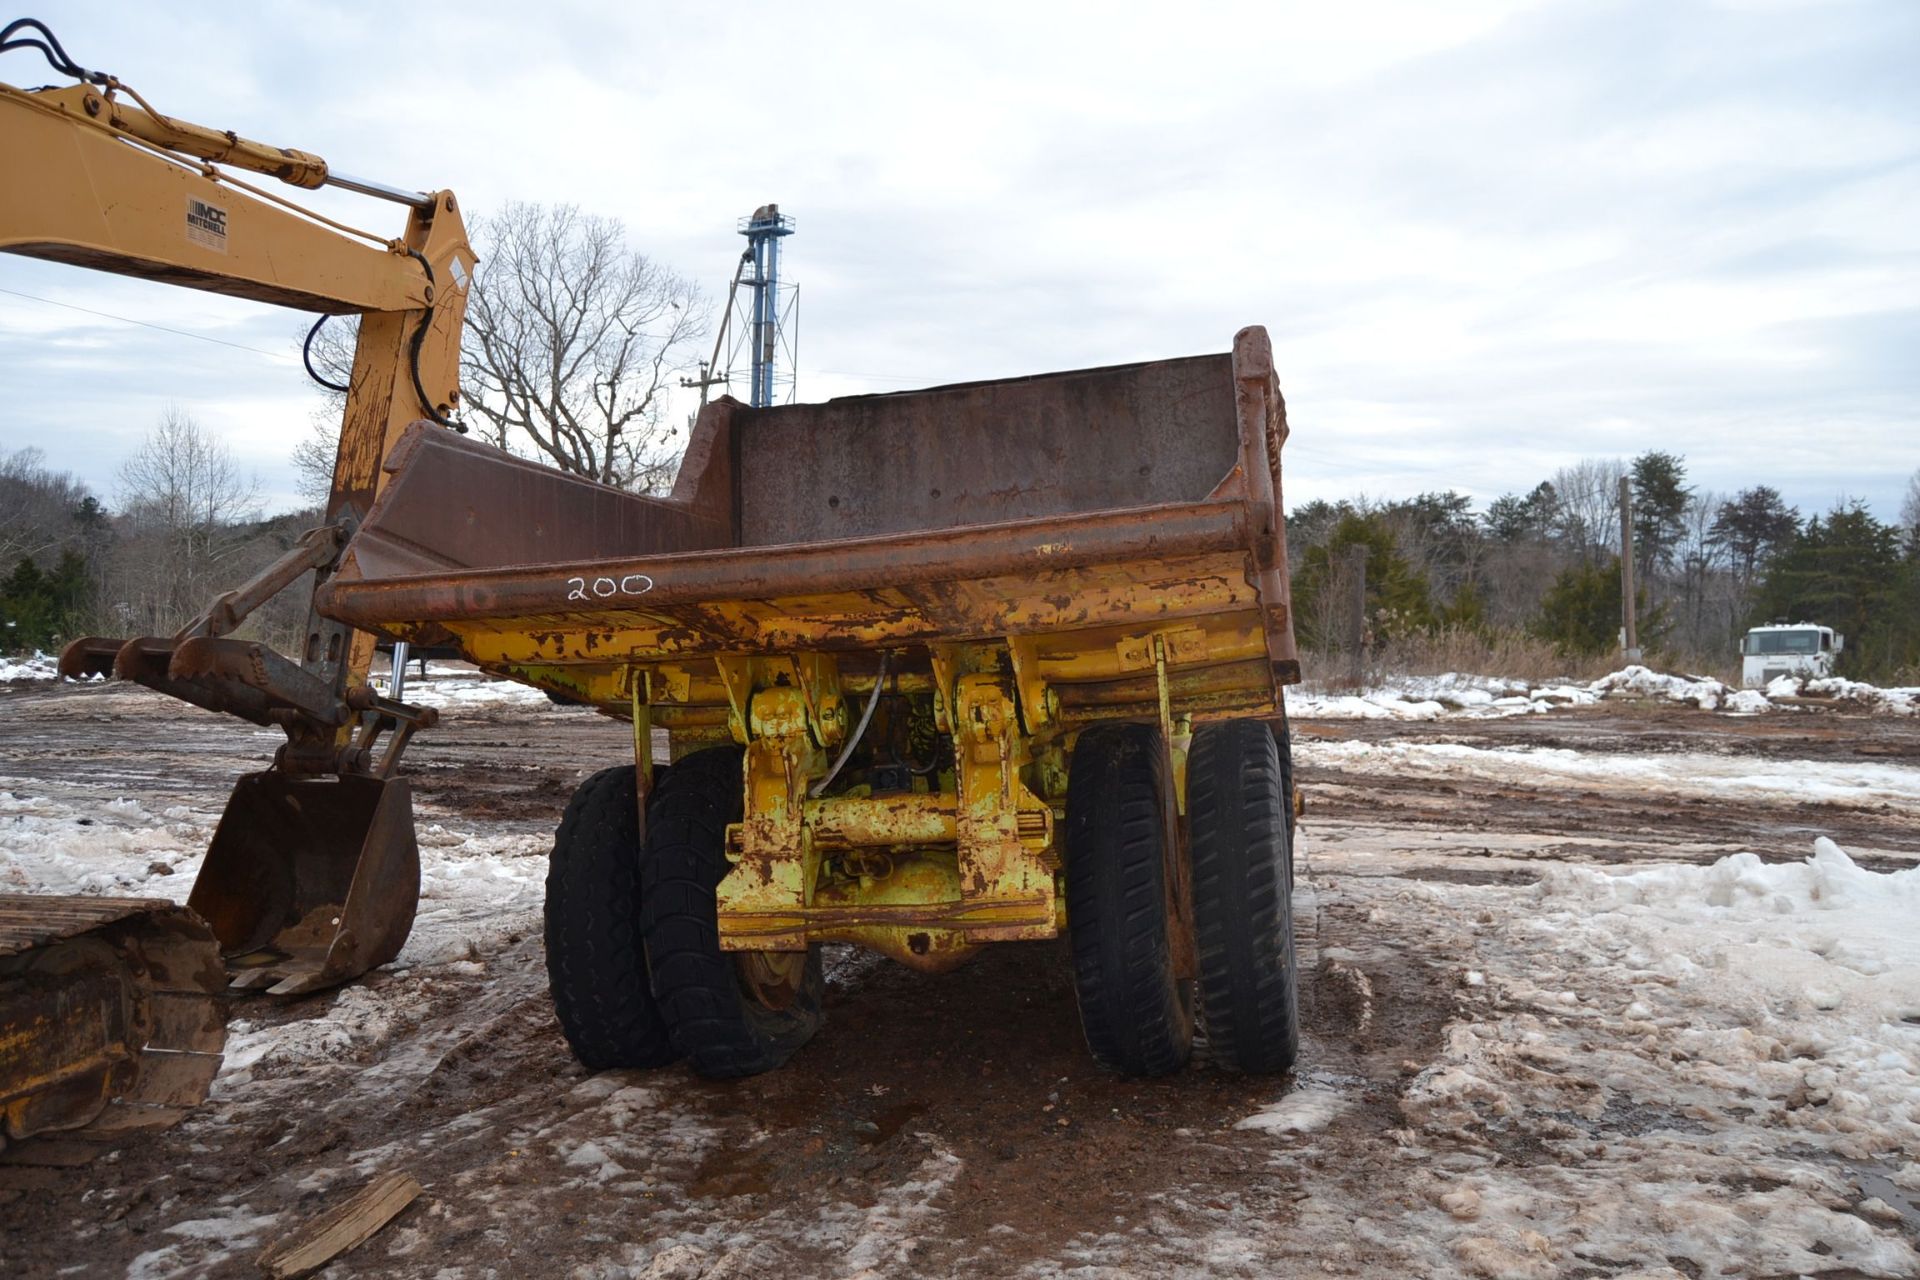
<point x="860" y="730"/>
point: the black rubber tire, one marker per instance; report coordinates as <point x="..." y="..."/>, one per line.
<point x="596" y="966"/>
<point x="1283" y="742"/>
<point x="1137" y="1016"/>
<point x="1242" y="896"/>
<point x="724" y="1032"/>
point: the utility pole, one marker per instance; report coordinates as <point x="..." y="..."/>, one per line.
<point x="1629" y="635"/>
<point x="1357" y="614"/>
<point x="707" y="376"/>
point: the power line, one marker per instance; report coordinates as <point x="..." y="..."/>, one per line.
<point x="148" y="324"/>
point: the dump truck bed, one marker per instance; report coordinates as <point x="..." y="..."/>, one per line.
<point x="1078" y="514"/>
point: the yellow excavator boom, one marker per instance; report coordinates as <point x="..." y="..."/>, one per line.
<point x="313" y="874"/>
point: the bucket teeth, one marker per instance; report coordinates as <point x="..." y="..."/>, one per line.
<point x="254" y="979"/>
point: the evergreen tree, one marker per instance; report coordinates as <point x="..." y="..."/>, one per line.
<point x="1581" y="616"/>
<point x="1397" y="598"/>
<point x="1752" y="526"/>
<point x="1847" y="571"/>
<point x="1512" y="518"/>
<point x="38" y="610"/>
<point x="1660" y="497"/>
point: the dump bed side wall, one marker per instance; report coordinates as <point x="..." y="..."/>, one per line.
<point x="478" y="507"/>
<point x="987" y="452"/>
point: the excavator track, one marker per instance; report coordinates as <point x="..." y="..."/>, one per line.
<point x="111" y="1021"/>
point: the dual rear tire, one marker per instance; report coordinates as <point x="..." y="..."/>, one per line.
<point x="1137" y="1011"/>
<point x="639" y="979"/>
<point x="633" y="941"/>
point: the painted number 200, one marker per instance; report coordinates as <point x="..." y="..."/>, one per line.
<point x="634" y="584"/>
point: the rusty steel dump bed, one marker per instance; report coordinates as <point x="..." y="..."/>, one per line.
<point x="1083" y="520"/>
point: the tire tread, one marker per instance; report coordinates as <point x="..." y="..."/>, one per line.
<point x="1242" y="896"/>
<point x="1137" y="1019"/>
<point x="596" y="965"/>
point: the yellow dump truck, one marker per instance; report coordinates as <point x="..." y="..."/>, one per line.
<point x="983" y="663"/>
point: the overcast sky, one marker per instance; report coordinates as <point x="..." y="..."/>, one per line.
<point x="1489" y="237"/>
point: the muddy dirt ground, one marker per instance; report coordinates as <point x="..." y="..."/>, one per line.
<point x="949" y="1125"/>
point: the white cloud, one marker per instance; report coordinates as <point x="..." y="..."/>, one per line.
<point x="1488" y="238"/>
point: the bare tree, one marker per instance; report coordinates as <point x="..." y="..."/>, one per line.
<point x="40" y="510"/>
<point x="1589" y="505"/>
<point x="313" y="455"/>
<point x="182" y="496"/>
<point x="574" y="341"/>
<point x="1710" y="595"/>
<point x="1910" y="513"/>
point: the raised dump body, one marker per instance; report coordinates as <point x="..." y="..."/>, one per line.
<point x="940" y="668"/>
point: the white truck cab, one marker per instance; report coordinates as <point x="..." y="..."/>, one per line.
<point x="1788" y="649"/>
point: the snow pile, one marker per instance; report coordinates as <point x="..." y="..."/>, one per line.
<point x="1643" y="682"/>
<point x="1383" y="704"/>
<point x="1900" y="702"/>
<point x="1829" y="880"/>
<point x="1679" y="773"/>
<point x="1712" y="695"/>
<point x="1458" y="694"/>
<point x="38" y="667"/>
<point x="1432" y="697"/>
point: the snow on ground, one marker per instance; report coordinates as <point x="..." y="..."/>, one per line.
<point x="30" y="669"/>
<point x="1307" y="1108"/>
<point x="40" y="666"/>
<point x="200" y="1242"/>
<point x="1857" y="785"/>
<point x="1689" y="1070"/>
<point x="109" y="845"/>
<point x="444" y="686"/>
<point x="452" y="687"/>
<point x="1457" y="694"/>
<point x="1706" y="1062"/>
<point x="474" y="889"/>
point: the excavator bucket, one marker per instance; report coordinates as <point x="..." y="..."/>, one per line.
<point x="310" y="881"/>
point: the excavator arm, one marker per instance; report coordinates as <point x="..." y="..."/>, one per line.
<point x="313" y="875"/>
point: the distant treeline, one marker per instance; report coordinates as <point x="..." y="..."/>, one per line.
<point x="1540" y="567"/>
<point x="1546" y="564"/>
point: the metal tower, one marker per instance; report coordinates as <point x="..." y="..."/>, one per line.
<point x="760" y="329"/>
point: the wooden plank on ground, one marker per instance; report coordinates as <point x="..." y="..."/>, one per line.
<point x="51" y="1152"/>
<point x="345" y="1226"/>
